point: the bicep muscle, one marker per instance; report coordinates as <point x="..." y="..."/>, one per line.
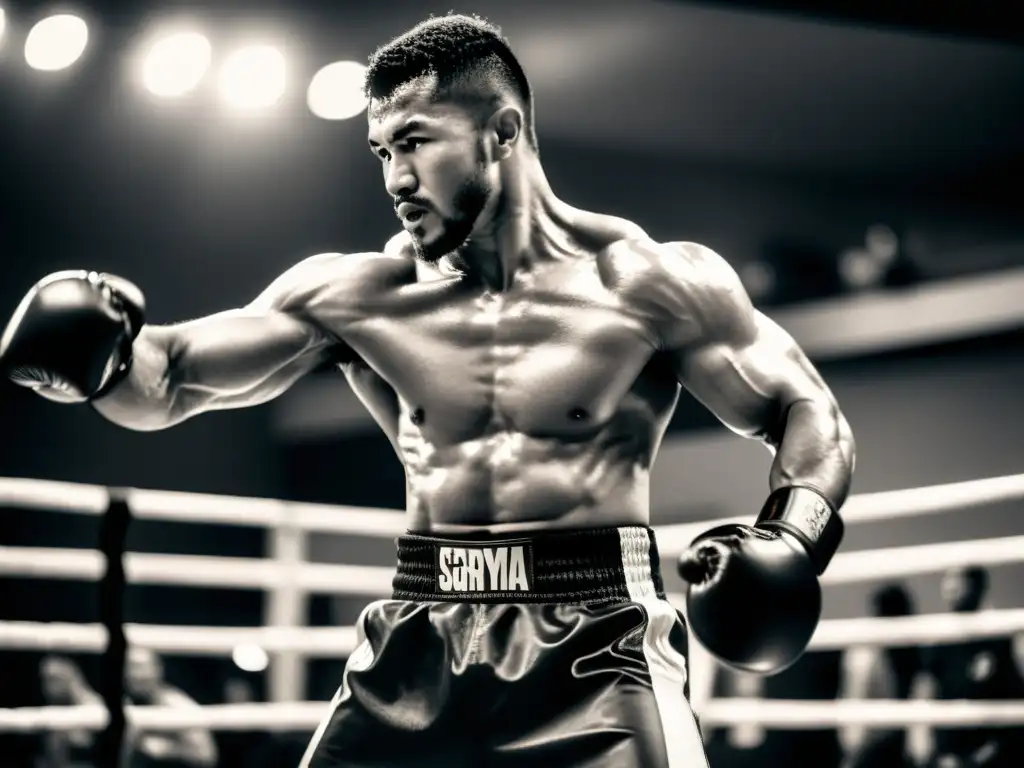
<point x="748" y="382"/>
<point x="735" y="360"/>
<point x="242" y="356"/>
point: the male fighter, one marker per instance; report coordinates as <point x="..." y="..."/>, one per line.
<point x="524" y="358"/>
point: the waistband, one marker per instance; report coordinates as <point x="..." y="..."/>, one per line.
<point x="572" y="566"/>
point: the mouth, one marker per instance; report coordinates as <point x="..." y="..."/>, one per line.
<point x="410" y="213"/>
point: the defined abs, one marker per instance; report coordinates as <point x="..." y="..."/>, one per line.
<point x="509" y="478"/>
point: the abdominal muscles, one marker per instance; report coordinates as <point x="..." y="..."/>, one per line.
<point x="508" y="480"/>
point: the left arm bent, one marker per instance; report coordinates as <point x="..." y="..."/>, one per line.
<point x="752" y="375"/>
<point x="754" y="598"/>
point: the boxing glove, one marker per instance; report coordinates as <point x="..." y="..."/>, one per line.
<point x="71" y="337"/>
<point x="753" y="597"/>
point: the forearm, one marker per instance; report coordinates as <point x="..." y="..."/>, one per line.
<point x="143" y="400"/>
<point x="233" y="359"/>
<point x="816" y="449"/>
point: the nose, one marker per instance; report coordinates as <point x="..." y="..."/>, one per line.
<point x="399" y="180"/>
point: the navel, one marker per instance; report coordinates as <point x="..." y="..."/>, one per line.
<point x="578" y="414"/>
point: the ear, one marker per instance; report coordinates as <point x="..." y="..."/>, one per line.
<point x="506" y="127"/>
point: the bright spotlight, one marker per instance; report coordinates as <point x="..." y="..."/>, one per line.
<point x="175" y="64"/>
<point x="860" y="268"/>
<point x="250" y="658"/>
<point x="3" y="25"/>
<point x="253" y="77"/>
<point x="336" y="91"/>
<point x="56" y="42"/>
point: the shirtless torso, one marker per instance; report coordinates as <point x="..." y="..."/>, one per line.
<point x="542" y="405"/>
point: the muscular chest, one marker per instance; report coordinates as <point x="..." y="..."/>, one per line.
<point x="546" y="358"/>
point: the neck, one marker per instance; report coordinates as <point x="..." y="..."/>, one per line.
<point x="524" y="212"/>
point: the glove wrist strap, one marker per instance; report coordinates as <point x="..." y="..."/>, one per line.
<point x="119" y="374"/>
<point x="133" y="320"/>
<point x="807" y="515"/>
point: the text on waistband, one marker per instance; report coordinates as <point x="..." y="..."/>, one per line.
<point x="484" y="569"/>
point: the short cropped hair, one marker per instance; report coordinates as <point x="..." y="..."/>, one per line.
<point x="468" y="55"/>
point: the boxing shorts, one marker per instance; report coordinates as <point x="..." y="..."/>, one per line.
<point x="553" y="649"/>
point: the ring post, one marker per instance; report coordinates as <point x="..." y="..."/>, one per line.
<point x="113" y="529"/>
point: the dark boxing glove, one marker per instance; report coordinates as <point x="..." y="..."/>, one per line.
<point x="753" y="597"/>
<point x="71" y="337"/>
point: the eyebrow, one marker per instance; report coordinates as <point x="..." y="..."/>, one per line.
<point x="399" y="134"/>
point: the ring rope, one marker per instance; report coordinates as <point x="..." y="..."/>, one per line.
<point x="920" y="630"/>
<point x="325" y="518"/>
<point x="880" y="505"/>
<point x="808" y="715"/>
<point x="321" y="642"/>
<point x="324" y="578"/>
<point x="894" y="562"/>
<point x="306" y="715"/>
<point x="185" y="507"/>
<point x="198" y="570"/>
<point x="915" y="560"/>
<point x="333" y="642"/>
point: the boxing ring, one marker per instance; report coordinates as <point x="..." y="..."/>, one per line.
<point x="287" y="578"/>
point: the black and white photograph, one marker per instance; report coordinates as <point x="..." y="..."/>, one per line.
<point x="523" y="384"/>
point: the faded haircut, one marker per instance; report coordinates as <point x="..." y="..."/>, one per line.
<point x="472" y="61"/>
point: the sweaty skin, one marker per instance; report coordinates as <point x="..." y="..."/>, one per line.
<point x="524" y="357"/>
<point x="540" y="406"/>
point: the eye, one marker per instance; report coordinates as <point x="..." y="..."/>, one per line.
<point x="382" y="154"/>
<point x="411" y="144"/>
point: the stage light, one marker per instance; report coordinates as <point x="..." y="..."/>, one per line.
<point x="175" y="64"/>
<point x="250" y="658"/>
<point x="253" y="77"/>
<point x="3" y="25"/>
<point x="882" y="241"/>
<point x="336" y="91"/>
<point x="860" y="269"/>
<point x="867" y="266"/>
<point x="56" y="42"/>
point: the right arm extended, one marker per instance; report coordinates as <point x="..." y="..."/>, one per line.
<point x="232" y="359"/>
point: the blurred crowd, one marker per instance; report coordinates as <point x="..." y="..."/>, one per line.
<point x="990" y="669"/>
<point x="63" y="683"/>
<point x="984" y="669"/>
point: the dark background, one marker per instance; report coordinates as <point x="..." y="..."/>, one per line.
<point x="773" y="134"/>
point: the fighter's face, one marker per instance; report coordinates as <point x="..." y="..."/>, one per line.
<point x="435" y="167"/>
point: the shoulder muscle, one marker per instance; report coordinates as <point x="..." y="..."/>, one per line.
<point x="688" y="292"/>
<point x="332" y="283"/>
